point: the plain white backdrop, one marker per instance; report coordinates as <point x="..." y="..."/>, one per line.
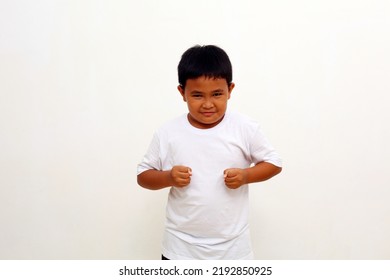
<point x="84" y="84"/>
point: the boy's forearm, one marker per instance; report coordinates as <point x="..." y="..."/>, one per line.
<point x="154" y="179"/>
<point x="261" y="172"/>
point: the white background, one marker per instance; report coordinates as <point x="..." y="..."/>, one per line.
<point x="84" y="84"/>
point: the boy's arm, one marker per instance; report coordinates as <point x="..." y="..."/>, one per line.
<point x="236" y="177"/>
<point x="179" y="176"/>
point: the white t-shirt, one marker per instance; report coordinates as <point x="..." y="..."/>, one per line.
<point x="207" y="220"/>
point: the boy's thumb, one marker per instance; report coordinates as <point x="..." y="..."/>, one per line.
<point x="225" y="173"/>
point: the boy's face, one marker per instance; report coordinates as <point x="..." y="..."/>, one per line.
<point x="206" y="100"/>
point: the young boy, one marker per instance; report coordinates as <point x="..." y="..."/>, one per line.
<point x="207" y="157"/>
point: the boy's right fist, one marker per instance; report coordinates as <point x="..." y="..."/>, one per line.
<point x="181" y="176"/>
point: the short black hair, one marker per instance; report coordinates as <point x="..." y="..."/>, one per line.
<point x="208" y="60"/>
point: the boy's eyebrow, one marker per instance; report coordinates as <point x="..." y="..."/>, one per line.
<point x="196" y="92"/>
<point x="215" y="90"/>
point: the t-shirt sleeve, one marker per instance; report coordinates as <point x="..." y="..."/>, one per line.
<point x="262" y="151"/>
<point x="151" y="159"/>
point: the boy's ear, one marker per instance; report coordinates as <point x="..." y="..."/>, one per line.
<point x="181" y="90"/>
<point x="231" y="87"/>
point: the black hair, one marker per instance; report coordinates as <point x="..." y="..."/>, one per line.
<point x="209" y="61"/>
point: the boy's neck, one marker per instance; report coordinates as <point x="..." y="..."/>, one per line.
<point x="193" y="122"/>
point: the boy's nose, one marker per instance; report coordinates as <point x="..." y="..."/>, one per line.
<point x="208" y="104"/>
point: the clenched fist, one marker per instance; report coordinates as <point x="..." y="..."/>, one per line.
<point x="235" y="177"/>
<point x="181" y="176"/>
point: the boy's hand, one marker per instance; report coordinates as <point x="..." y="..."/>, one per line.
<point x="181" y="176"/>
<point x="235" y="177"/>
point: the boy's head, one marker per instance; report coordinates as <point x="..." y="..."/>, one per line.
<point x="208" y="61"/>
<point x="205" y="77"/>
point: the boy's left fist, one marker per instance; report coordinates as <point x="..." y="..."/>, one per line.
<point x="234" y="177"/>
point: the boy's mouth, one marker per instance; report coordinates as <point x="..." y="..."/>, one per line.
<point x="208" y="114"/>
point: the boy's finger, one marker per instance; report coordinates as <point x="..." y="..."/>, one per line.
<point x="189" y="171"/>
<point x="230" y="173"/>
<point x="183" y="169"/>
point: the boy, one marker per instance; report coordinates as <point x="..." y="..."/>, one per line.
<point x="207" y="157"/>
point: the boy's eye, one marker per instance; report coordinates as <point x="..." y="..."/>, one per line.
<point x="217" y="94"/>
